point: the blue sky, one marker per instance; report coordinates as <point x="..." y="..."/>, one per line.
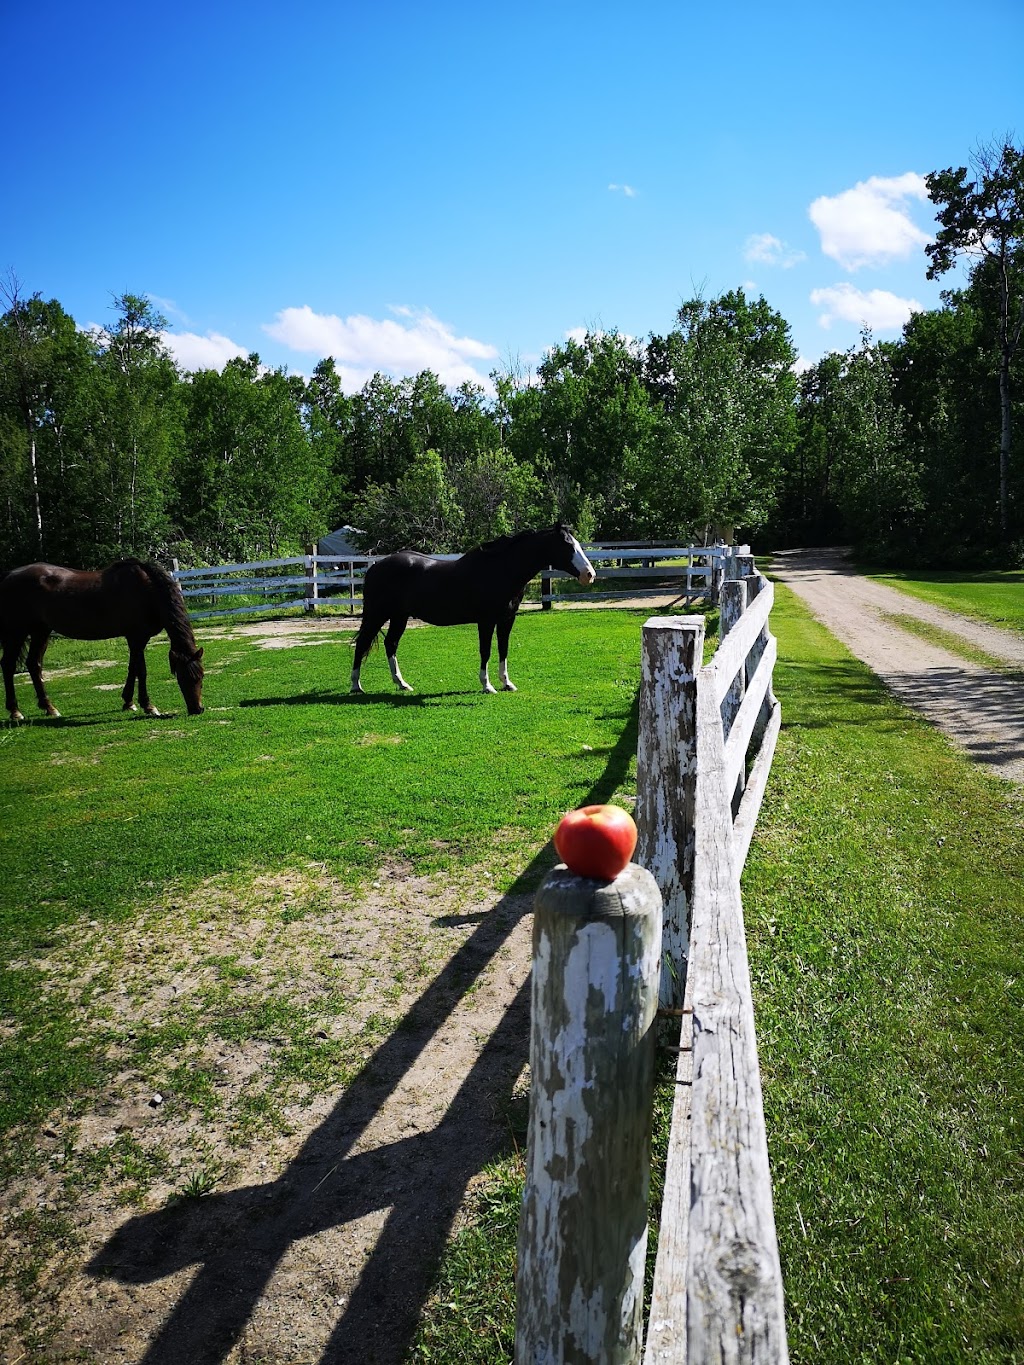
<point x="461" y="186"/>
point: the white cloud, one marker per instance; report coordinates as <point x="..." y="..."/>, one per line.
<point x="627" y="190"/>
<point x="870" y="224"/>
<point x="193" y="352"/>
<point x="361" y="345"/>
<point x="765" y="249"/>
<point x="874" y="308"/>
<point x="170" y="308"/>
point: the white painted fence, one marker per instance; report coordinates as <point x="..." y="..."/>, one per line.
<point x="706" y="742"/>
<point x="692" y="572"/>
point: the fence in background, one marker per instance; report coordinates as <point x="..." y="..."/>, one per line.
<point x="692" y="573"/>
<point x="706" y="742"/>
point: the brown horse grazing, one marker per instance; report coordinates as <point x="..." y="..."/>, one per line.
<point x="129" y="598"/>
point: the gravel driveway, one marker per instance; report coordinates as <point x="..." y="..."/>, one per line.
<point x="981" y="710"/>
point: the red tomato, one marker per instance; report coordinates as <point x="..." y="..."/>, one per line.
<point x="596" y="841"/>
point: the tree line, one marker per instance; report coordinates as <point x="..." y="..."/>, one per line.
<point x="906" y="448"/>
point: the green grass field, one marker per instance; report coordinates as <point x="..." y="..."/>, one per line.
<point x="992" y="596"/>
<point x="885" y="914"/>
<point x="103" y="814"/>
<point x="883" y="896"/>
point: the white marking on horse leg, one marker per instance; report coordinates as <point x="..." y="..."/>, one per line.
<point x="584" y="569"/>
<point x="16" y="717"/>
<point x="485" y="681"/>
<point x="506" y="682"/>
<point x="396" y="673"/>
<point x="355" y="685"/>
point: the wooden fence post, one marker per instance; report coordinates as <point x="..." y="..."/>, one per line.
<point x="666" y="774"/>
<point x="311" y="584"/>
<point x="583" y="1228"/>
<point x="719" y="565"/>
<point x="545" y="592"/>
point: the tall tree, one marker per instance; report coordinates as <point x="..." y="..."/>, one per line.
<point x="981" y="212"/>
<point x="943" y="372"/>
<point x="327" y="413"/>
<point x="584" y="426"/>
<point x="725" y="379"/>
<point x="45" y="364"/>
<point x="252" y="483"/>
<point x="857" y="419"/>
<point x="131" y="433"/>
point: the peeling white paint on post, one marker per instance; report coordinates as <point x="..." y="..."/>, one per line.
<point x="666" y="763"/>
<point x="583" y="1229"/>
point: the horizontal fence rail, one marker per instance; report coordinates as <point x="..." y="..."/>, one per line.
<point x="707" y="736"/>
<point x="692" y="573"/>
<point x="717" y="1292"/>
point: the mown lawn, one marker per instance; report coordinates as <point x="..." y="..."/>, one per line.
<point x="990" y="595"/>
<point x="885" y="913"/>
<point x="885" y="910"/>
<point x="104" y="813"/>
<point x="883" y="895"/>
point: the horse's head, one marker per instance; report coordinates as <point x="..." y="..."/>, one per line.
<point x="568" y="554"/>
<point x="188" y="670"/>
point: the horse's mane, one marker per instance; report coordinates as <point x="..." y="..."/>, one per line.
<point x="505" y="542"/>
<point x="173" y="611"/>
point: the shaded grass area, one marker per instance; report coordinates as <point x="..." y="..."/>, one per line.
<point x="885" y="914"/>
<point x="994" y="596"/>
<point x="103" y="813"/>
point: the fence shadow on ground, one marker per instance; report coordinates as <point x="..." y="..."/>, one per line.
<point x="237" y="1240"/>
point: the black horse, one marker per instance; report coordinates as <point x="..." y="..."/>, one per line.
<point x="486" y="586"/>
<point x="129" y="598"/>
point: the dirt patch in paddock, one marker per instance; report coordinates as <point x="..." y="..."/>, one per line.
<point x="303" y="1085"/>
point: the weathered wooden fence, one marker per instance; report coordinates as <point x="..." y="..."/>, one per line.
<point x="692" y="573"/>
<point x="706" y="742"/>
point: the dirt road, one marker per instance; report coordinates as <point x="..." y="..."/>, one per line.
<point x="981" y="710"/>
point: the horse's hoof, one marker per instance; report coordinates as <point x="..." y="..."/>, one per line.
<point x="152" y="711"/>
<point x="490" y="688"/>
<point x="356" y="691"/>
<point x="53" y="713"/>
<point x="509" y="687"/>
<point x="405" y="687"/>
<point x="129" y="706"/>
<point x="16" y="718"/>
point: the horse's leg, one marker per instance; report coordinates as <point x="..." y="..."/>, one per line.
<point x="364" y="639"/>
<point x="128" y="691"/>
<point x="39" y="639"/>
<point x="8" y="663"/>
<point x="486" y="631"/>
<point x="391" y="639"/>
<point x="504" y="630"/>
<point x="137" y="673"/>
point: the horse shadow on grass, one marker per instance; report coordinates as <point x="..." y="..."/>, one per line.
<point x="465" y="697"/>
<point x="237" y="1240"/>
